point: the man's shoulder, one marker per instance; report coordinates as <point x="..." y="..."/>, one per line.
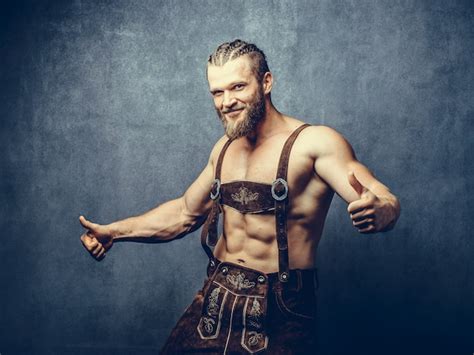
<point x="322" y="133"/>
<point x="314" y="130"/>
<point x="321" y="139"/>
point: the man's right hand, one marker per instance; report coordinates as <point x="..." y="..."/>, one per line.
<point x="97" y="240"/>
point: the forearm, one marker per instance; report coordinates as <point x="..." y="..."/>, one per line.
<point x="166" y="222"/>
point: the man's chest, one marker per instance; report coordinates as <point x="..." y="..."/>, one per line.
<point x="260" y="164"/>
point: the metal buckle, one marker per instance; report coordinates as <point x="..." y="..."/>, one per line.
<point x="285" y="184"/>
<point x="284" y="277"/>
<point x="217" y="184"/>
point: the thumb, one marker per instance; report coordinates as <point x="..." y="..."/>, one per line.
<point x="356" y="185"/>
<point x="85" y="223"/>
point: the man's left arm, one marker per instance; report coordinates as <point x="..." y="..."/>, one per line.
<point x="372" y="207"/>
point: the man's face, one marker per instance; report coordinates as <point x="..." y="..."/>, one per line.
<point x="238" y="96"/>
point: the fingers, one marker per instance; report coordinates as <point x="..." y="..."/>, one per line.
<point x="98" y="252"/>
<point x="369" y="229"/>
<point x="365" y="226"/>
<point x="97" y="249"/>
<point x="88" y="242"/>
<point x="362" y="214"/>
<point x="364" y="220"/>
<point x="101" y="254"/>
<point x="92" y="245"/>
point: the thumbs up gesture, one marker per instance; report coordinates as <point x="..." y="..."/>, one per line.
<point x="97" y="240"/>
<point x="369" y="214"/>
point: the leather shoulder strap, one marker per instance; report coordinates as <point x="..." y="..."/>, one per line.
<point x="221" y="159"/>
<point x="280" y="194"/>
<point x="209" y="230"/>
<point x="282" y="171"/>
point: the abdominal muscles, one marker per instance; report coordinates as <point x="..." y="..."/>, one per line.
<point x="249" y="240"/>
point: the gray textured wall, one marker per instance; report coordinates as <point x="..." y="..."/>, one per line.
<point x="105" y="112"/>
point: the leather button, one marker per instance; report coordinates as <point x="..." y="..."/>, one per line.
<point x="261" y="279"/>
<point x="212" y="263"/>
<point x="225" y="270"/>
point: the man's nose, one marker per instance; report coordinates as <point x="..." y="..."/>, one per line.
<point x="229" y="100"/>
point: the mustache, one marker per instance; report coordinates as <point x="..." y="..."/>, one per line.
<point x="232" y="110"/>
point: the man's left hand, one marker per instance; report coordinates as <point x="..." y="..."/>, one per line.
<point x="369" y="214"/>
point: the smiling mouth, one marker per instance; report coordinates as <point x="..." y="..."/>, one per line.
<point x="234" y="112"/>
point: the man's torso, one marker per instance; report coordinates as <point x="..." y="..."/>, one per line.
<point x="249" y="239"/>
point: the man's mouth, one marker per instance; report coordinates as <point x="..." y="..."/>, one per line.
<point x="234" y="113"/>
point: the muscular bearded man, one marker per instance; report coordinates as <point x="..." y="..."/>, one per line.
<point x="272" y="178"/>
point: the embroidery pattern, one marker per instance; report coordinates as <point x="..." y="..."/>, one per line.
<point x="244" y="196"/>
<point x="254" y="315"/>
<point x="255" y="311"/>
<point x="213" y="306"/>
<point x="254" y="338"/>
<point x="239" y="281"/>
<point x="208" y="324"/>
<point x="253" y="335"/>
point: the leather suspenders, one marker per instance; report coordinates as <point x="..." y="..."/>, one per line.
<point x="280" y="194"/>
<point x="209" y="231"/>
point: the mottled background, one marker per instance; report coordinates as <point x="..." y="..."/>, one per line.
<point x="105" y="112"/>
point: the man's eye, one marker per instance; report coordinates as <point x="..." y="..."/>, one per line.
<point x="239" y="87"/>
<point x="217" y="93"/>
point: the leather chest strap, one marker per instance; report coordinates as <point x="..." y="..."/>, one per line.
<point x="280" y="193"/>
<point x="209" y="230"/>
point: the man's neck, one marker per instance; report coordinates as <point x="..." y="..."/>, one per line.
<point x="271" y="124"/>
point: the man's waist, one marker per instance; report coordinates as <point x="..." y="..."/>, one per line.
<point x="236" y="275"/>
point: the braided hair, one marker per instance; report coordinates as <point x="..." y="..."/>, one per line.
<point x="232" y="50"/>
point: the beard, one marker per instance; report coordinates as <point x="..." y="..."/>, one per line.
<point x="254" y="115"/>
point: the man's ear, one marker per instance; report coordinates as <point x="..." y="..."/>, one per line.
<point x="267" y="82"/>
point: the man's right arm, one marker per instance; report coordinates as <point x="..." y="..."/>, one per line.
<point x="168" y="221"/>
<point x="172" y="219"/>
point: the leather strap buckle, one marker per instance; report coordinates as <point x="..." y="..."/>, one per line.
<point x="283" y="183"/>
<point x="284" y="276"/>
<point x="216" y="184"/>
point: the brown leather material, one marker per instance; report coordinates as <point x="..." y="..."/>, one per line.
<point x="204" y="233"/>
<point x="214" y="220"/>
<point x="240" y="310"/>
<point x="221" y="159"/>
<point x="209" y="231"/>
<point x="247" y="196"/>
<point x="281" y="205"/>
<point x="282" y="171"/>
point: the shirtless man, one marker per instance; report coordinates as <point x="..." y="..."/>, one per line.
<point x="259" y="294"/>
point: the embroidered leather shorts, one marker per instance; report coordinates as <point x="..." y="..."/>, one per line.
<point x="240" y="310"/>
